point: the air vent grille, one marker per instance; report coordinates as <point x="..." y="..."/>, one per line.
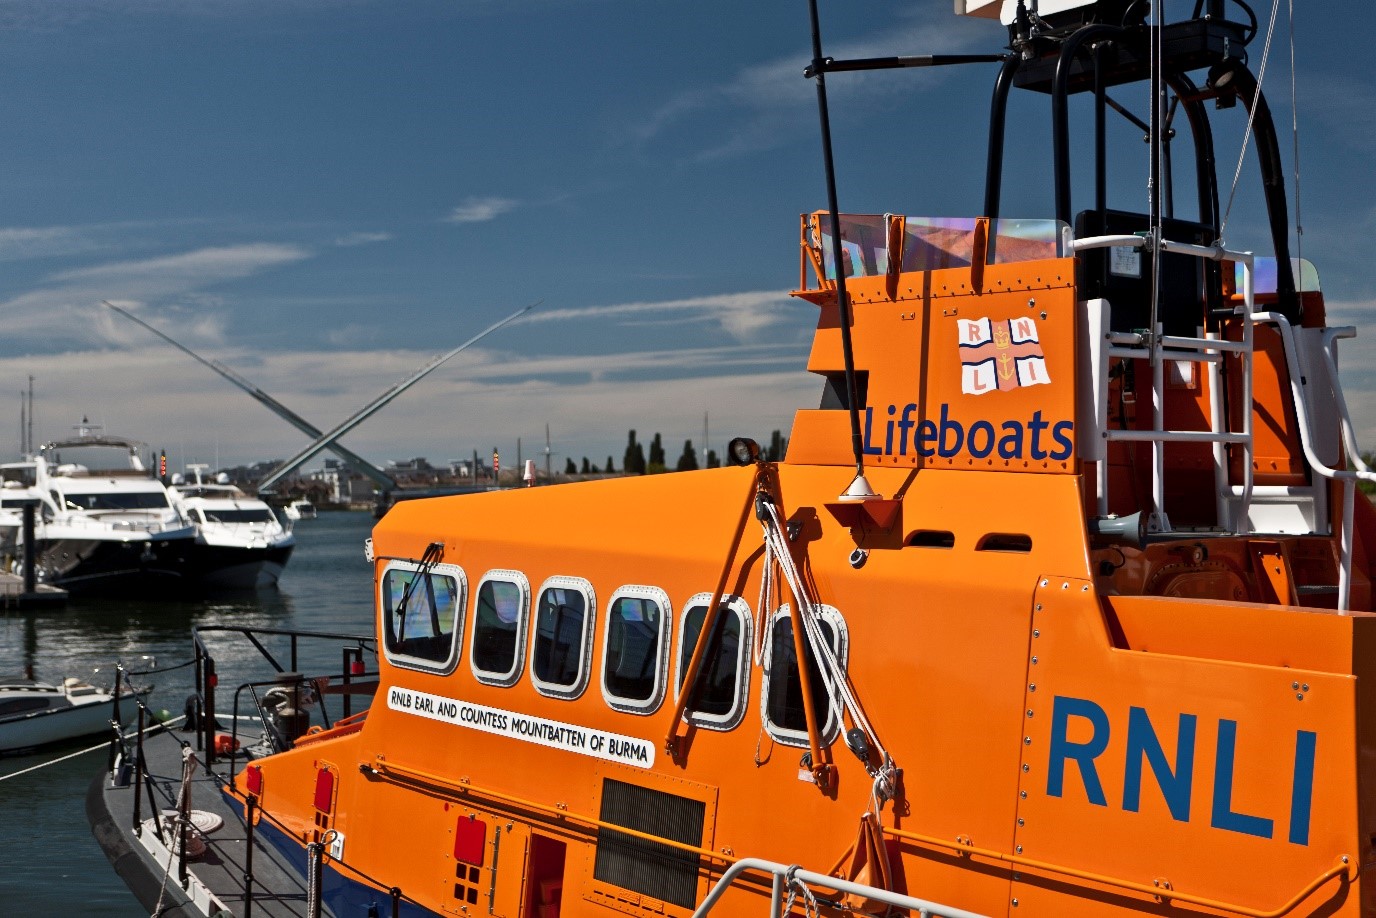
<point x="646" y="867"/>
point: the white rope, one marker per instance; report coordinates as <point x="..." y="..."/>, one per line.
<point x="839" y="692"/>
<point x="810" y="907"/>
<point x="174" y="825"/>
<point x="1251" y="114"/>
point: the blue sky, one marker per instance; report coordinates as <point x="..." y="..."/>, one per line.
<point x="322" y="194"/>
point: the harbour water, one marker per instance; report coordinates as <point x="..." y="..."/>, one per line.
<point x="49" y="863"/>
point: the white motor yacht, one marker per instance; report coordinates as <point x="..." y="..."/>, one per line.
<point x="300" y="509"/>
<point x="106" y="526"/>
<point x="240" y="543"/>
<point x="16" y="490"/>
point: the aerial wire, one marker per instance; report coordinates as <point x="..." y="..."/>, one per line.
<point x="1251" y="115"/>
<point x="1295" y="137"/>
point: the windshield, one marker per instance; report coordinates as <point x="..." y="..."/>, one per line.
<point x="263" y="515"/>
<point x="124" y="500"/>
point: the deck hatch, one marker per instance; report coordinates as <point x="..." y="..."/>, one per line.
<point x="647" y="867"/>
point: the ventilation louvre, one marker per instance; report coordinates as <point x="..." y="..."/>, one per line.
<point x="647" y="867"/>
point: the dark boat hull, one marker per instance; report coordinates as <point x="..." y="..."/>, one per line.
<point x="224" y="567"/>
<point x="108" y="567"/>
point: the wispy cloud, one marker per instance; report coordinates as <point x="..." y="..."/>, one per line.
<point x="1344" y="104"/>
<point x="23" y="242"/>
<point x="58" y="311"/>
<point x="741" y="315"/>
<point x="758" y="108"/>
<point x="361" y="238"/>
<point x="480" y="210"/>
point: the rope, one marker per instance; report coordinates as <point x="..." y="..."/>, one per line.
<point x="79" y="752"/>
<point x="1251" y="113"/>
<point x="163" y="669"/>
<point x="840" y="695"/>
<point x="314" y="854"/>
<point x="183" y="804"/>
<point x="810" y="907"/>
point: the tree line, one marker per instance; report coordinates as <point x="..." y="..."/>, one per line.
<point x="636" y="461"/>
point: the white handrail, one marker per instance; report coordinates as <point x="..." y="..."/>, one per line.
<point x="1349" y="478"/>
<point x="785" y="875"/>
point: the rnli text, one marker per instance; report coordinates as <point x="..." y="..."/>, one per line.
<point x="1176" y="782"/>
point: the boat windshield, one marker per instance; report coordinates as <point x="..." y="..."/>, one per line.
<point x="122" y="500"/>
<point x="251" y="515"/>
<point x="930" y="243"/>
<point x="1264" y="272"/>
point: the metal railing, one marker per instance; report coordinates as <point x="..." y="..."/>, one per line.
<point x="253" y="813"/>
<point x="1299" y="390"/>
<point x="788" y="878"/>
<point x="207" y="679"/>
<point x="1158" y="348"/>
<point x="1233" y="501"/>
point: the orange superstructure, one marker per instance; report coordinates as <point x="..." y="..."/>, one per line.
<point x="1060" y="603"/>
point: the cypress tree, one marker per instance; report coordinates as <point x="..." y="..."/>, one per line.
<point x="688" y="462"/>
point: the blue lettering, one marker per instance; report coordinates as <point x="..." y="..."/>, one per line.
<point x="1302" y="787"/>
<point x="948" y="424"/>
<point x="869" y="449"/>
<point x="1063" y="708"/>
<point x="1037" y="425"/>
<point x="904" y="424"/>
<point x="948" y="437"/>
<point x="979" y="452"/>
<point x="1144" y="744"/>
<point x="1010" y="444"/>
<point x="1174" y="779"/>
<point x="1223" y="816"/>
<point x="1061" y="434"/>
<point x="926" y="433"/>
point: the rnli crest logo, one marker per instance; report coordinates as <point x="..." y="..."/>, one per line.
<point x="999" y="355"/>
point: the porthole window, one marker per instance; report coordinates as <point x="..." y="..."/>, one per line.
<point x="725" y="674"/>
<point x="422" y="616"/>
<point x="784" y="718"/>
<point x="635" y="649"/>
<point x="561" y="637"/>
<point x="499" y="627"/>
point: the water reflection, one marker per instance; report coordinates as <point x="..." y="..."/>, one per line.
<point x="326" y="587"/>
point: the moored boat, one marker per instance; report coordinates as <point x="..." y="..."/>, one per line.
<point x="240" y="543"/>
<point x="106" y="526"/>
<point x="1059" y="604"/>
<point x="34" y="714"/>
<point x="300" y="509"/>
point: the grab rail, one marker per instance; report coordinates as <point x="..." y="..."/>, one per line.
<point x="207" y="679"/>
<point x="786" y="875"/>
<point x="1348" y="477"/>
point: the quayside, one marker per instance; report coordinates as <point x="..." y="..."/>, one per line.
<point x="1060" y="603"/>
